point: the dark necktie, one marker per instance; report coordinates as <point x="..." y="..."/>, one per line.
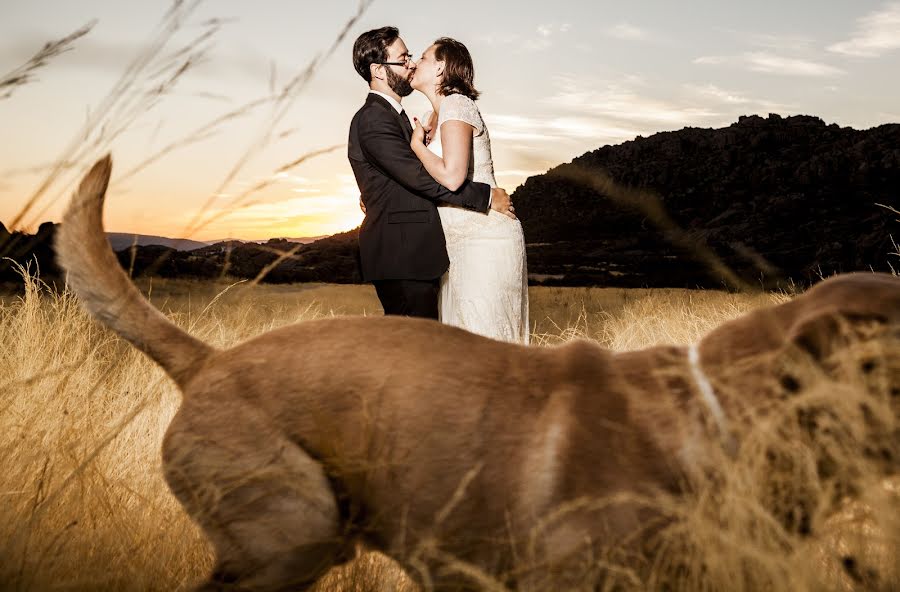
<point x="406" y="124"/>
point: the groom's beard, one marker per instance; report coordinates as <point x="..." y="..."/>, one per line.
<point x="399" y="84"/>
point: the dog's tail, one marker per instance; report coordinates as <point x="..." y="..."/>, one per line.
<point x="106" y="291"/>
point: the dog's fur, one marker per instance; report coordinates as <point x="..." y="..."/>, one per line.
<point x="434" y="445"/>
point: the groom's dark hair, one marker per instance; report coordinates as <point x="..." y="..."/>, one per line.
<point x="371" y="48"/>
<point x="459" y="71"/>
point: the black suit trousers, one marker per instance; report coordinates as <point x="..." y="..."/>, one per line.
<point x="409" y="298"/>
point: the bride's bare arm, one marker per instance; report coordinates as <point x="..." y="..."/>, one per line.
<point x="456" y="142"/>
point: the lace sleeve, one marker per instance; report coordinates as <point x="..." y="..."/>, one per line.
<point x="461" y="108"/>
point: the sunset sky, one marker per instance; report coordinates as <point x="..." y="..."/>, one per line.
<point x="557" y="79"/>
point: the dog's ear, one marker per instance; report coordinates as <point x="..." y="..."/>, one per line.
<point x="816" y="335"/>
<point x="820" y="335"/>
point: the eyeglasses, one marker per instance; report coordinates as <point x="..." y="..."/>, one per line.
<point x="405" y="61"/>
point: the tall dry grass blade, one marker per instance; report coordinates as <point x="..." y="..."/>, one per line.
<point x="150" y="90"/>
<point x="282" y="256"/>
<point x="281" y="106"/>
<point x="890" y="209"/>
<point x="242" y="198"/>
<point x="123" y="423"/>
<point x="92" y="135"/>
<point x="649" y="204"/>
<point x="25" y="73"/>
<point x="212" y="303"/>
<point x="242" y="201"/>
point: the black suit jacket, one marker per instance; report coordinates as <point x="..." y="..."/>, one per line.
<point x="401" y="236"/>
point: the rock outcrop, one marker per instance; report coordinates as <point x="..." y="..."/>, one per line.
<point x="774" y="200"/>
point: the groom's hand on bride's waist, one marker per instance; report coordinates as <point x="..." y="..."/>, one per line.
<point x="501" y="202"/>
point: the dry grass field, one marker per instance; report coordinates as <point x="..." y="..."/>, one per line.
<point x="83" y="505"/>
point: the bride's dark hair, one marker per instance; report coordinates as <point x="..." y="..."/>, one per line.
<point x="459" y="72"/>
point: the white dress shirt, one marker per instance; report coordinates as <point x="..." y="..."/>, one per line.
<point x="394" y="102"/>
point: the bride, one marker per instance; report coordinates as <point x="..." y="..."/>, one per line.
<point x="485" y="290"/>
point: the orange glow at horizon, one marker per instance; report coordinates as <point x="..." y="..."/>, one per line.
<point x="234" y="118"/>
<point x="299" y="204"/>
<point x="292" y="207"/>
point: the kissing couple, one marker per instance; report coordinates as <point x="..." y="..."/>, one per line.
<point x="439" y="240"/>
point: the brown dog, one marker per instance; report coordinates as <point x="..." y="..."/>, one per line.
<point x="445" y="450"/>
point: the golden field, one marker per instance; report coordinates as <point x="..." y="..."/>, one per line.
<point x="83" y="505"/>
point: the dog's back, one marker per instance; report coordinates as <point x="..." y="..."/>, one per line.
<point x="288" y="446"/>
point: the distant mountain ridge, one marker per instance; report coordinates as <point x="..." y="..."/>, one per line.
<point x="331" y="259"/>
<point x="770" y="201"/>
<point x="124" y="240"/>
<point x="303" y="240"/>
<point x="170" y="257"/>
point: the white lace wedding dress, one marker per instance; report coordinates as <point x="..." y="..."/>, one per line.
<point x="485" y="290"/>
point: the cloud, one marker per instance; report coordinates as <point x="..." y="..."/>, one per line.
<point x="500" y="38"/>
<point x="584" y="114"/>
<point x="711" y="60"/>
<point x="617" y="110"/>
<point x="780" y="43"/>
<point x="624" y="109"/>
<point x="537" y="44"/>
<point x="509" y="179"/>
<point x="330" y="211"/>
<point x="719" y="94"/>
<point x="627" y="32"/>
<point x="549" y="30"/>
<point x="519" y="172"/>
<point x="113" y="56"/>
<point x="290" y="208"/>
<point x="876" y="34"/>
<point x="303" y="187"/>
<point x="770" y="63"/>
<point x="542" y="38"/>
<point x="732" y="102"/>
<point x="528" y="145"/>
<point x="784" y="66"/>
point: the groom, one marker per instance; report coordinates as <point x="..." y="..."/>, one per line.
<point x="401" y="242"/>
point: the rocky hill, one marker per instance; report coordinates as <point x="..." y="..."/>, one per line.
<point x="768" y="199"/>
<point x="763" y="202"/>
<point x="32" y="250"/>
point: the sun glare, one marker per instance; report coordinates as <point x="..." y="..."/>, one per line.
<point x="298" y="208"/>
